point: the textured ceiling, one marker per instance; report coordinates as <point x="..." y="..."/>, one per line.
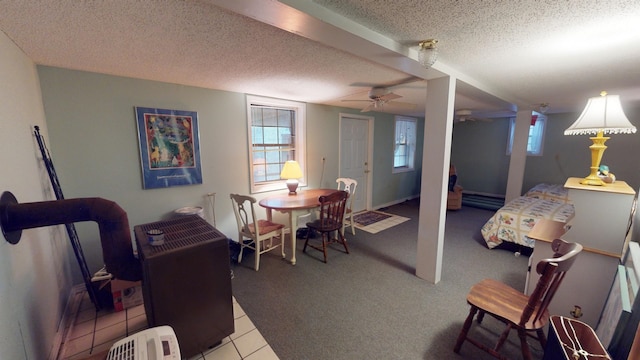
<point x="504" y="53"/>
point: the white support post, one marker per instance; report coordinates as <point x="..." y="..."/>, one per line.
<point x="438" y="131"/>
<point x="518" y="155"/>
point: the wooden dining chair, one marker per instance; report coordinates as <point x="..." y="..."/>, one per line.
<point x="526" y="314"/>
<point x="331" y="214"/>
<point x="259" y="232"/>
<point x="348" y="185"/>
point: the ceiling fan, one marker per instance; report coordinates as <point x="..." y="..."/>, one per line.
<point x="463" y="115"/>
<point x="379" y="96"/>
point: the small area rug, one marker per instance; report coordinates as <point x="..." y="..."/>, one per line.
<point x="376" y="221"/>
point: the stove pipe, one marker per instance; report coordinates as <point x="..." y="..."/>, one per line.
<point x="115" y="236"/>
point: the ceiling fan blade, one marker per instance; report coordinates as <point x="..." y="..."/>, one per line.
<point x="389" y="96"/>
<point x="369" y="107"/>
<point x="399" y="82"/>
<point x="356" y="100"/>
<point x="458" y="119"/>
<point x="404" y="81"/>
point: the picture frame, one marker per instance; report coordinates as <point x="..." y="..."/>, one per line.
<point x="169" y="147"/>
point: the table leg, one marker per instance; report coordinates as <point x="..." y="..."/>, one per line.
<point x="293" y="223"/>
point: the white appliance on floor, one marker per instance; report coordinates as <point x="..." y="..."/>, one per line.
<point x="157" y="343"/>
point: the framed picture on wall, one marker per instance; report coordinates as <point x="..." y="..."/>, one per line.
<point x="169" y="147"/>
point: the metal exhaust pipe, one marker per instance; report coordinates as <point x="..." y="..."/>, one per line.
<point x="115" y="235"/>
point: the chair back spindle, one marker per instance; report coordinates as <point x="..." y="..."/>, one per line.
<point x="348" y="185"/>
<point x="332" y="209"/>
<point x="331" y="218"/>
<point x="552" y="272"/>
<point x="244" y="217"/>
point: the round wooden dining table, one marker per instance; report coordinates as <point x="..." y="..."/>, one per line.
<point x="295" y="205"/>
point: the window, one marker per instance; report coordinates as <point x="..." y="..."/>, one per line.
<point x="536" y="135"/>
<point x="276" y="134"/>
<point x="404" y="144"/>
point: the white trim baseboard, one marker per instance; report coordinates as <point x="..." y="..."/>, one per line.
<point x="395" y="202"/>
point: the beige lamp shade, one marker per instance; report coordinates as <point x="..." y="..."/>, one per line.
<point x="602" y="115"/>
<point x="292" y="172"/>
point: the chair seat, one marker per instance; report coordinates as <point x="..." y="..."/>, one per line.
<point x="265" y="227"/>
<point x="503" y="301"/>
<point x="326" y="225"/>
<point x="259" y="233"/>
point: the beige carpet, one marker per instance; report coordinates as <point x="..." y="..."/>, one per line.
<point x="375" y="221"/>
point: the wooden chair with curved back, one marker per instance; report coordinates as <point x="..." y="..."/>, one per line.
<point x="259" y="232"/>
<point x="331" y="218"/>
<point x="518" y="311"/>
<point x="348" y="185"/>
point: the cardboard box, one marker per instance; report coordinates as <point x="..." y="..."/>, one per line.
<point x="126" y="294"/>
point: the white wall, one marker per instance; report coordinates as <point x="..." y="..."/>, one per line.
<point x="35" y="273"/>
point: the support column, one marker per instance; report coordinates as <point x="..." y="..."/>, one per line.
<point x="518" y="155"/>
<point x="438" y="129"/>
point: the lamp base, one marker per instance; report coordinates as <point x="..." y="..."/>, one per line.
<point x="292" y="185"/>
<point x="589" y="180"/>
<point x="597" y="149"/>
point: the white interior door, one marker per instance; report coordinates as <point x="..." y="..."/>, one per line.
<point x="355" y="153"/>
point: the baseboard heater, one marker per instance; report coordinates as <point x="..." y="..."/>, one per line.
<point x="186" y="281"/>
<point x="481" y="201"/>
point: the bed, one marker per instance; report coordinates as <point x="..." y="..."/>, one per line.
<point x="514" y="220"/>
<point x="556" y="192"/>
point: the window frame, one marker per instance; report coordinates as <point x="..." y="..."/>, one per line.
<point x="539" y="138"/>
<point x="410" y="146"/>
<point x="299" y="140"/>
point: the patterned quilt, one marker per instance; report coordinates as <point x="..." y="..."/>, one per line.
<point x="515" y="219"/>
<point x="555" y="192"/>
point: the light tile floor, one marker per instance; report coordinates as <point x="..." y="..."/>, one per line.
<point x="90" y="334"/>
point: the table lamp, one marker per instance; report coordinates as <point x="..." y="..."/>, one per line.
<point x="292" y="172"/>
<point x="602" y="115"/>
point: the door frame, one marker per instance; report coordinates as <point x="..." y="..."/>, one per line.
<point x="369" y="175"/>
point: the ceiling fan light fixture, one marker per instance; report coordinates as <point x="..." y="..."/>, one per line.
<point x="427" y="52"/>
<point x="543" y="108"/>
